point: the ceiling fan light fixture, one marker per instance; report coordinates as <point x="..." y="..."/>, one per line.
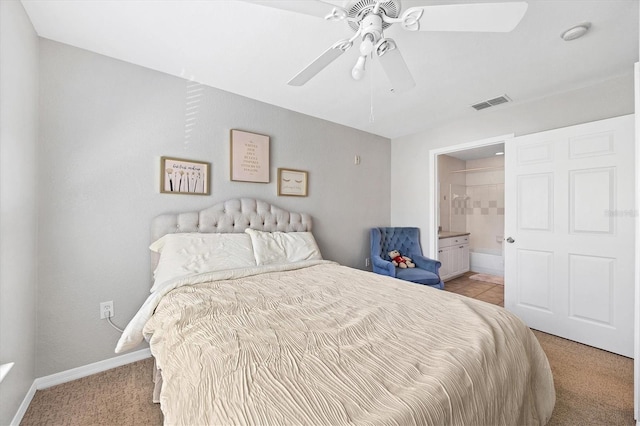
<point x="366" y="47"/>
<point x="358" y="70"/>
<point x="384" y="45"/>
<point x="371" y="26"/>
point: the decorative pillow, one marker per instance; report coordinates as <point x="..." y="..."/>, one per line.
<point x="191" y="253"/>
<point x="283" y="247"/>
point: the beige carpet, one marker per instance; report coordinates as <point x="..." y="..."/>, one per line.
<point x="117" y="397"/>
<point x="494" y="279"/>
<point x="593" y="387"/>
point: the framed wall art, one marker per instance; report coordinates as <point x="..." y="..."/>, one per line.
<point x="292" y="182"/>
<point x="249" y="157"/>
<point x="180" y="176"/>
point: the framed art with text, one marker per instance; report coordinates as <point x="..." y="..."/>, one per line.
<point x="249" y="157"/>
<point x="180" y="176"/>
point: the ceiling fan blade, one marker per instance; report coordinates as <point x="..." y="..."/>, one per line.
<point x="395" y="67"/>
<point x="329" y="55"/>
<point x="479" y="17"/>
<point x="308" y="7"/>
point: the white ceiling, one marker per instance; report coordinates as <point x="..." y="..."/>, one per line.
<point x="253" y="50"/>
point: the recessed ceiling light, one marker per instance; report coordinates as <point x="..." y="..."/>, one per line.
<point x="500" y="153"/>
<point x="576" y="32"/>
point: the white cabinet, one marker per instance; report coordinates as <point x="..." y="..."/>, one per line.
<point x="453" y="253"/>
<point x="444" y="256"/>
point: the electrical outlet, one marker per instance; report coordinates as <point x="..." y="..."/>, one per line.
<point x="366" y="262"/>
<point x="106" y="310"/>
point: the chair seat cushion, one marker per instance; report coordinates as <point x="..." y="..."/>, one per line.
<point x="417" y="275"/>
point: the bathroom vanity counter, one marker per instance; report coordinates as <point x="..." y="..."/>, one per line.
<point x="451" y="234"/>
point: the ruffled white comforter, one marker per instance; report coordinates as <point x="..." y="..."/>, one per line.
<point x="322" y="344"/>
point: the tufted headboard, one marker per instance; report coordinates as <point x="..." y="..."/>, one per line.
<point x="232" y="216"/>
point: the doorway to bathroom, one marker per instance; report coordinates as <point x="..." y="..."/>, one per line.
<point x="569" y="207"/>
<point x="468" y="200"/>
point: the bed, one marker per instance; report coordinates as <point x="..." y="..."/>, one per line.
<point x="249" y="325"/>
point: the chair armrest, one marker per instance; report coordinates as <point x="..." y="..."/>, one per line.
<point x="423" y="262"/>
<point x="383" y="267"/>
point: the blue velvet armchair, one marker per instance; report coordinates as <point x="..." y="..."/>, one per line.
<point x="407" y="241"/>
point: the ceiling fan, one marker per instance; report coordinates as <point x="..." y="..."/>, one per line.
<point x="369" y="18"/>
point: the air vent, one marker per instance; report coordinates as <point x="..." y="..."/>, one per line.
<point x="491" y="102"/>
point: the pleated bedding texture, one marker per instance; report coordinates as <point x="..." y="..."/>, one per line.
<point x="332" y="345"/>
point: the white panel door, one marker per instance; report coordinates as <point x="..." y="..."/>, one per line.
<point x="570" y="228"/>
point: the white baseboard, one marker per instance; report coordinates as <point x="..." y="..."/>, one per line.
<point x="25" y="404"/>
<point x="89" y="369"/>
<point x="76" y="373"/>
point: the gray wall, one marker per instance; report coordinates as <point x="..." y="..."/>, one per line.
<point x="18" y="201"/>
<point x="410" y="154"/>
<point x="104" y="124"/>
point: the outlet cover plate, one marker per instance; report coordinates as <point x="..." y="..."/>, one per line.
<point x="103" y="308"/>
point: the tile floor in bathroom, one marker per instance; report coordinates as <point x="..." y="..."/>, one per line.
<point x="487" y="292"/>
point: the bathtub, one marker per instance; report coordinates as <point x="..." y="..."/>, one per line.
<point x="486" y="261"/>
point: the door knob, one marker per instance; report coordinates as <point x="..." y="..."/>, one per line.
<point x="510" y="240"/>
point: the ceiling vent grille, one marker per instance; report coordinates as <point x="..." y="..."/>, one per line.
<point x="491" y="102"/>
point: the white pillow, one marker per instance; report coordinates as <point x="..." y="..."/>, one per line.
<point x="190" y="253"/>
<point x="283" y="247"/>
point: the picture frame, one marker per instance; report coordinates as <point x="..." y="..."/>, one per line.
<point x="181" y="176"/>
<point x="249" y="157"/>
<point x="292" y="182"/>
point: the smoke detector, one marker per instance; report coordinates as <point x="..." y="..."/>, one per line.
<point x="576" y="31"/>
